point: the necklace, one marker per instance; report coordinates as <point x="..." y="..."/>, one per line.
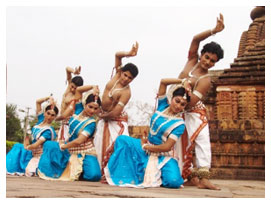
<point x="113" y="90"/>
<point x="168" y="113"/>
<point x="193" y="69"/>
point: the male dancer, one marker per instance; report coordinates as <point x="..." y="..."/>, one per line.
<point x="196" y="78"/>
<point x="117" y="93"/>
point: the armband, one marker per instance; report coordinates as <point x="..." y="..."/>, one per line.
<point x="121" y="104"/>
<point x="198" y="94"/>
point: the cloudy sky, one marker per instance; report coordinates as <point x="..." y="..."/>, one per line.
<point x="42" y="41"/>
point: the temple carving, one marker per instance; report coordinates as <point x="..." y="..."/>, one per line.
<point x="236" y="105"/>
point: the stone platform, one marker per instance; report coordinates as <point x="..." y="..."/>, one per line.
<point x="24" y="187"/>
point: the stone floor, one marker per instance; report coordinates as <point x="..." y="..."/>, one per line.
<point x="23" y="187"/>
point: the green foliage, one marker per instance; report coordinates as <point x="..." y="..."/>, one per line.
<point x="33" y="121"/>
<point x="9" y="145"/>
<point x="14" y="131"/>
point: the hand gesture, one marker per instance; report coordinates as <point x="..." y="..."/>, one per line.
<point x="52" y="100"/>
<point x="144" y="138"/>
<point x="188" y="87"/>
<point x="133" y="51"/>
<point x="61" y="143"/>
<point x="219" y="24"/>
<point x="96" y="90"/>
<point x="77" y="70"/>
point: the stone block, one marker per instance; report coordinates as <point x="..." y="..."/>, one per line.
<point x="231" y="136"/>
<point x="257" y="124"/>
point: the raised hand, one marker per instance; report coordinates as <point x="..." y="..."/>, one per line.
<point x="96" y="90"/>
<point x="133" y="51"/>
<point x="52" y="100"/>
<point x="219" y="24"/>
<point x="77" y="70"/>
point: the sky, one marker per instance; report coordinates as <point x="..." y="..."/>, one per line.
<point x="42" y="41"/>
<point x="41" y="38"/>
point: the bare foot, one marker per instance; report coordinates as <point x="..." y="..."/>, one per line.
<point x="206" y="184"/>
<point x="193" y="182"/>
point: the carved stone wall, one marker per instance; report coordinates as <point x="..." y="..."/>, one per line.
<point x="237" y="121"/>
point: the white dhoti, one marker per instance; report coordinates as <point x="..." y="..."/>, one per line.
<point x="197" y="137"/>
<point x="105" y="136"/>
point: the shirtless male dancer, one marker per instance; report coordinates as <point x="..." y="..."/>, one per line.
<point x="116" y="95"/>
<point x="196" y="78"/>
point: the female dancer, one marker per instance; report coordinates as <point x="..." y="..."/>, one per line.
<point x="152" y="162"/>
<point x="71" y="98"/>
<point x="24" y="159"/>
<point x="68" y="161"/>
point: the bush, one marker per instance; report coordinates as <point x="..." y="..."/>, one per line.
<point x="9" y="145"/>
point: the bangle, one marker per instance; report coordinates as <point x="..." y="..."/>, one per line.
<point x="183" y="81"/>
<point x="61" y="146"/>
<point x="144" y="145"/>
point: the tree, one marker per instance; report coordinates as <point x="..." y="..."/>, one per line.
<point x="14" y="131"/>
<point x="139" y="113"/>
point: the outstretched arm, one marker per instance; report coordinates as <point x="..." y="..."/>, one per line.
<point x="167" y="146"/>
<point x="119" y="55"/>
<point x="34" y="145"/>
<point x="79" y="140"/>
<point x="70" y="71"/>
<point x="202" y="36"/>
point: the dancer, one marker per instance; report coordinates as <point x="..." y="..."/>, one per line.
<point x="68" y="161"/>
<point x="153" y="161"/>
<point x="71" y="98"/>
<point x="116" y="95"/>
<point x="23" y="159"/>
<point x="196" y="78"/>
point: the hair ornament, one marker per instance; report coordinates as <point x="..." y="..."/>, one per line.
<point x="172" y="88"/>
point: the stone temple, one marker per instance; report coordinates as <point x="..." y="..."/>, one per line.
<point x="236" y="107"/>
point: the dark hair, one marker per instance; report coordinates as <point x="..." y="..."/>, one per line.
<point x="214" y="48"/>
<point x="78" y="81"/>
<point x="91" y="98"/>
<point x="131" y="68"/>
<point x="49" y="107"/>
<point x="181" y="92"/>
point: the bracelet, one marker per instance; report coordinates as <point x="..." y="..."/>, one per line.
<point x="27" y="147"/>
<point x="183" y="81"/>
<point x="61" y="146"/>
<point x="144" y="145"/>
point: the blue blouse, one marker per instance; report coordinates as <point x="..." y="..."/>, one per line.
<point x="45" y="132"/>
<point x="163" y="126"/>
<point x="85" y="126"/>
